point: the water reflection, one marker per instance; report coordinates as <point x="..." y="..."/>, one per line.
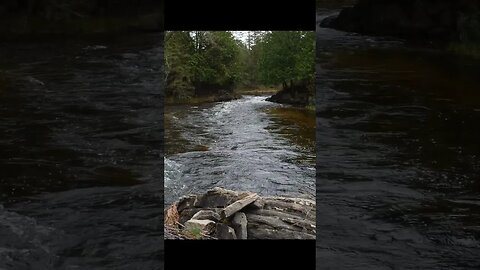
<point x="397" y="166"/>
<point x="81" y="154"/>
<point x="244" y="144"/>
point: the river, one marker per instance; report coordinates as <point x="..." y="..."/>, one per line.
<point x="244" y="144"/>
<point x="397" y="153"/>
<point x="81" y="153"/>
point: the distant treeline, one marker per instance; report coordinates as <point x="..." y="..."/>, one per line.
<point x="79" y="16"/>
<point x="216" y="63"/>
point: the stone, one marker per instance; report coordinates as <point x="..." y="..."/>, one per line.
<point x="198" y="227"/>
<point x="216" y="197"/>
<point x="186" y="202"/>
<point x="239" y="224"/>
<point x="225" y="232"/>
<point x="238" y="205"/>
<point x="426" y="19"/>
<point x="187" y="214"/>
<point x="259" y="203"/>
<point x="207" y="214"/>
<point x="270" y="217"/>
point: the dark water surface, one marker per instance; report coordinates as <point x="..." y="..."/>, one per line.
<point x="81" y="157"/>
<point x="398" y="167"/>
<point x="244" y="144"/>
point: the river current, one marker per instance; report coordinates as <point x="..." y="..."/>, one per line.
<point x="397" y="153"/>
<point x="81" y="153"/>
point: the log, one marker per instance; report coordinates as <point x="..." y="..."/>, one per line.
<point x="265" y="217"/>
<point x="238" y="205"/>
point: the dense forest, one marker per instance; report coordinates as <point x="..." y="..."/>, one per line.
<point x="219" y="64"/>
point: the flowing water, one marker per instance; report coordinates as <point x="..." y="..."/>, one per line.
<point x="245" y="144"/>
<point x="398" y="168"/>
<point x="81" y="156"/>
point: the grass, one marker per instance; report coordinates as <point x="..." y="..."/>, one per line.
<point x="195" y="233"/>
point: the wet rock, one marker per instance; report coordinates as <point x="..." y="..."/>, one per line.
<point x="238" y="205"/>
<point x="194" y="226"/>
<point x="239" y="224"/>
<point x="207" y="214"/>
<point x="421" y="19"/>
<point x="225" y="232"/>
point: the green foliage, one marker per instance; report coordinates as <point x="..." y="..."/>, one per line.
<point x="206" y="63"/>
<point x="179" y="65"/>
<point x="198" y="59"/>
<point x="287" y="56"/>
<point x="196" y="233"/>
<point x="215" y="58"/>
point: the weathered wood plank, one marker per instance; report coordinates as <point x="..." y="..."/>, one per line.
<point x="238" y="205"/>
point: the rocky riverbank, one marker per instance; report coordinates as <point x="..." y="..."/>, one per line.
<point x="297" y="94"/>
<point x="447" y="20"/>
<point x="225" y="214"/>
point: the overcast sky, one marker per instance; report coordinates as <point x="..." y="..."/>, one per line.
<point x="241" y="35"/>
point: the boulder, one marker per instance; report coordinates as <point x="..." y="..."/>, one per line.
<point x="207" y="214"/>
<point x="418" y="19"/>
<point x="198" y="228"/>
<point x="186" y="202"/>
<point x="188" y="214"/>
<point x="217" y="197"/>
<point x="239" y="224"/>
<point x="259" y="203"/>
<point x="224" y="231"/>
<point x="244" y="215"/>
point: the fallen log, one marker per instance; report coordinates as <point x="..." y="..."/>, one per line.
<point x="243" y="215"/>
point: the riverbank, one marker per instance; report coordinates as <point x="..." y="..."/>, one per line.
<point x="202" y="99"/>
<point x="453" y="25"/>
<point x="396" y="177"/>
<point x="257" y="91"/>
<point x="226" y="214"/>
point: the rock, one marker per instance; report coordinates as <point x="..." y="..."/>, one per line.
<point x="238" y="205"/>
<point x="239" y="224"/>
<point x="207" y="214"/>
<point x="418" y="19"/>
<point x="199" y="227"/>
<point x="217" y="197"/>
<point x="295" y="94"/>
<point x="188" y="214"/>
<point x="225" y="232"/>
<point x="245" y="215"/>
<point x="259" y="203"/>
<point x="186" y="202"/>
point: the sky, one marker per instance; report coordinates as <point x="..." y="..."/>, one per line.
<point x="241" y="35"/>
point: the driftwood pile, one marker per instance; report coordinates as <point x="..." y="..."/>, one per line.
<point x="225" y="214"/>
